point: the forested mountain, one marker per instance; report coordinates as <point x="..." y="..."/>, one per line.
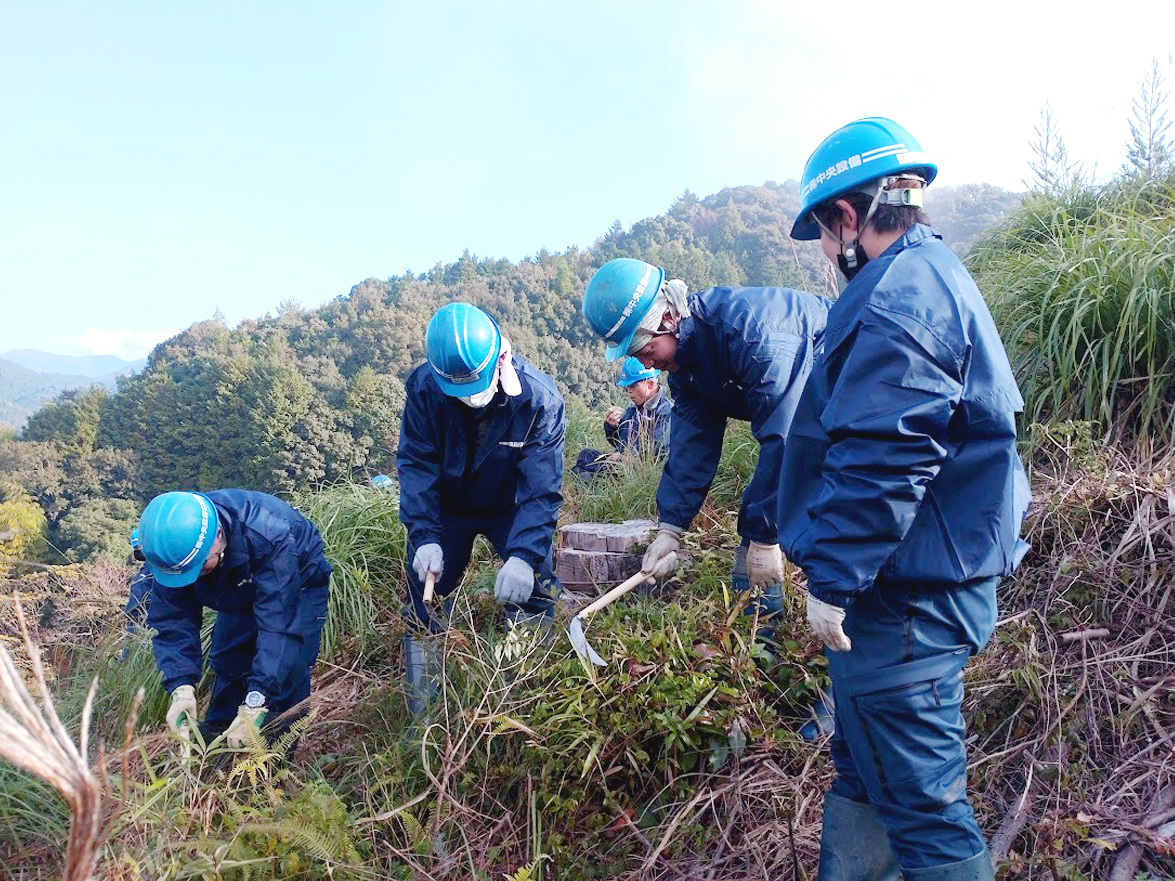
<point x="310" y="395"/>
<point x="23" y="391"/>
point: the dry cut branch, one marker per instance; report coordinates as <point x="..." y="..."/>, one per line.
<point x="33" y="738"/>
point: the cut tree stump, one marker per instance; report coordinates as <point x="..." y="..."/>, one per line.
<point x="595" y="555"/>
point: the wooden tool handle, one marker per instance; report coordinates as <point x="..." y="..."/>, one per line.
<point x="615" y="593"/>
<point x="429" y="584"/>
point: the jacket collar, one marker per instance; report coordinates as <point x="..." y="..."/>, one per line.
<point x="916" y="234"/>
<point x="651" y="403"/>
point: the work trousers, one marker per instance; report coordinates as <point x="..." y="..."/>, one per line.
<point x="234" y="643"/>
<point x="899" y="741"/>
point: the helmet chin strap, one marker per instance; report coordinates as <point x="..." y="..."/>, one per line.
<point x="852" y="257"/>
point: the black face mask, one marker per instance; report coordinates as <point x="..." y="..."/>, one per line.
<point x="851" y="259"/>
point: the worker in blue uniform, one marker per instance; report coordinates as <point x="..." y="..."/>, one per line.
<point x="731" y="353"/>
<point x="901" y="498"/>
<point x="481" y="453"/>
<point x="642" y="429"/>
<point x="260" y="564"/>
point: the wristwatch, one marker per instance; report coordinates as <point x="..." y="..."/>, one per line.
<point x="254" y="700"/>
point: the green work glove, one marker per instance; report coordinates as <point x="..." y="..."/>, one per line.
<point x="182" y="712"/>
<point x="248" y="720"/>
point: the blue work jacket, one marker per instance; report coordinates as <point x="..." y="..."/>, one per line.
<point x="902" y="465"/>
<point x="643" y="429"/>
<point x="744" y="353"/>
<point x="504" y="460"/>
<point x="272" y="553"/>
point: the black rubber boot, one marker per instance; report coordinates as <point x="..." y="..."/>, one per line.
<point x="853" y="843"/>
<point x="420" y="674"/>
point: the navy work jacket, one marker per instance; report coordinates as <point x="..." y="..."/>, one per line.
<point x="504" y="460"/>
<point x="643" y="429"/>
<point x="744" y="353"/>
<point x="902" y="465"/>
<point x="272" y="553"/>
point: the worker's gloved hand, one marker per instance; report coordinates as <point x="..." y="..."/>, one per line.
<point x="248" y="719"/>
<point x="665" y="566"/>
<point x="667" y="541"/>
<point x="764" y="565"/>
<point x="515" y="582"/>
<point x="428" y="558"/>
<point x="613" y="416"/>
<point x="828" y="622"/>
<point x="181" y="715"/>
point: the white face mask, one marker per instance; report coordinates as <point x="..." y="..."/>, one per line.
<point x="481" y="399"/>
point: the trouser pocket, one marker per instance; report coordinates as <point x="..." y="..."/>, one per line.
<point x="914" y="735"/>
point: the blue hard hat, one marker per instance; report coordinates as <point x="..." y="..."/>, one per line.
<point x="633" y="371"/>
<point x="463" y="345"/>
<point x="177" y="530"/>
<point x="135" y="543"/>
<point x="617" y="298"/>
<point x="381" y="481"/>
<point x="851" y="157"/>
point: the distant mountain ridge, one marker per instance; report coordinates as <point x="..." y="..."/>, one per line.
<point x="24" y="391"/>
<point x="101" y="367"/>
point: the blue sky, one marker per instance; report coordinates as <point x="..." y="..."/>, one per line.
<point x="160" y="160"/>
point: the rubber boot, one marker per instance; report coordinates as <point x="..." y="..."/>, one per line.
<point x="853" y="843"/>
<point x="420" y="663"/>
<point x="977" y="868"/>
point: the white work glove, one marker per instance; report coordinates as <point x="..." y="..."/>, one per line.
<point x="515" y="582"/>
<point x="428" y="558"/>
<point x="248" y="719"/>
<point x="828" y="622"/>
<point x="764" y="565"/>
<point x="181" y="715"/>
<point x="667" y="541"/>
<point x="665" y="566"/>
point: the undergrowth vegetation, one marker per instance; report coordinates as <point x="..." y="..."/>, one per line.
<point x="680" y="758"/>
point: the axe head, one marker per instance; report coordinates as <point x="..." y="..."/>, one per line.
<point x="580" y="644"/>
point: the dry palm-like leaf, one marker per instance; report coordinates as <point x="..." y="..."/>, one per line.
<point x="33" y="738"/>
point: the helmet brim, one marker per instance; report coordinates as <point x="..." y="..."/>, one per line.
<point x="619" y="350"/>
<point x="805" y="229"/>
<point x="467" y="389"/>
<point x="178" y="579"/>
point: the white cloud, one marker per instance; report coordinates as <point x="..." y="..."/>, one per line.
<point x="127" y="344"/>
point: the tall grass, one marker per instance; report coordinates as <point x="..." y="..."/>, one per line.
<point x="366" y="545"/>
<point x="1082" y="287"/>
<point x="628" y="489"/>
